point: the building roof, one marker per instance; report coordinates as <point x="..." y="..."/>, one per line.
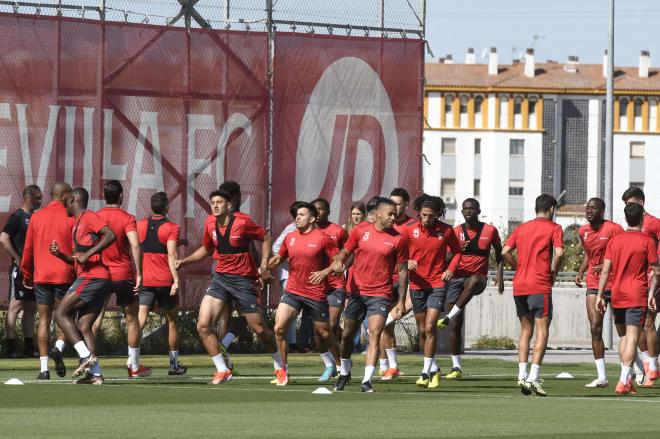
<point x="548" y="76"/>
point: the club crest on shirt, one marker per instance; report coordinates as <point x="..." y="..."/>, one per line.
<point x="365" y="237"/>
<point x="416" y="233"/>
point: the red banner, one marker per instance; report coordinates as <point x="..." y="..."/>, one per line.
<point x="347" y="120"/>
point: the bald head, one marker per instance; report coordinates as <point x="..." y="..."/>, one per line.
<point x="59" y="191"/>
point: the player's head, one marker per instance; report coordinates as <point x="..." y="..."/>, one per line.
<point x="159" y="203"/>
<point x="59" y="191"/>
<point x="470" y="210"/>
<point x="634" y="214"/>
<point x="76" y="201"/>
<point x="594" y="210"/>
<point x="545" y="205"/>
<point x="430" y="208"/>
<point x="358" y="212"/>
<point x="323" y="208"/>
<point x="306" y="215"/>
<point x="113" y="192"/>
<point x="385" y="213"/>
<point x="234" y="191"/>
<point x="293" y="209"/>
<point x="371" y="208"/>
<point x="32" y="197"/>
<point x="220" y="202"/>
<point x="633" y="195"/>
<point x="401" y="199"/>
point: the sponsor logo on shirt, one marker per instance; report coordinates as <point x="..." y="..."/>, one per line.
<point x="312" y="245"/>
<point x="365" y="237"/>
<point x="388" y="243"/>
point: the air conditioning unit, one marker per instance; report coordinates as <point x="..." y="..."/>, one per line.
<point x="448" y="199"/>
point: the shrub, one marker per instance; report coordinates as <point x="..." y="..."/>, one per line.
<point x="490" y="343"/>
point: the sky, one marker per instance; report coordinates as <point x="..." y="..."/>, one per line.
<point x="555" y="29"/>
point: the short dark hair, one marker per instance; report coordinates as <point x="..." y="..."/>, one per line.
<point x="323" y="201"/>
<point x="634" y="214"/>
<point x="400" y="192"/>
<point x="305" y="205"/>
<point x="234" y="191"/>
<point x="633" y="192"/>
<point x="597" y="200"/>
<point x="82" y="194"/>
<point x="31" y="191"/>
<point x="293" y="209"/>
<point x="473" y="201"/>
<point x="222" y="194"/>
<point x="544" y="203"/>
<point x="159" y="203"/>
<point x="111" y="191"/>
<point x="430" y="202"/>
<point x="372" y="203"/>
<point x="384" y="201"/>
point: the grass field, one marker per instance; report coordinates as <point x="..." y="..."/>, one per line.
<point x="485" y="403"/>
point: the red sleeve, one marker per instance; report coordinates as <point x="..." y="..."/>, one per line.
<point x="511" y="240"/>
<point x="352" y="241"/>
<point x="26" y="258"/>
<point x="253" y="231"/>
<point x="651" y="253"/>
<point x="207" y="239"/>
<point x="496" y="240"/>
<point x="343" y="236"/>
<point x="455" y="247"/>
<point x="173" y="234"/>
<point x="131" y="224"/>
<point x="609" y="251"/>
<point x="284" y="248"/>
<point x="558" y="237"/>
<point x="402" y="250"/>
<point x="95" y="223"/>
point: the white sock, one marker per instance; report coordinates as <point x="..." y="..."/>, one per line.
<point x="44" y="364"/>
<point x="59" y="344"/>
<point x="82" y="350"/>
<point x="625" y="373"/>
<point x="534" y="372"/>
<point x="228" y="339"/>
<point x="219" y="362"/>
<point x="134" y="356"/>
<point x="434" y="366"/>
<point x="384" y="364"/>
<point x="600" y="367"/>
<point x="345" y="366"/>
<point x="645" y="356"/>
<point x="391" y="358"/>
<point x="653" y="363"/>
<point x="368" y="373"/>
<point x="522" y="371"/>
<point x="639" y="362"/>
<point x="328" y="359"/>
<point x="95" y="369"/>
<point x="428" y="363"/>
<point x="277" y="361"/>
<point x="454" y="312"/>
<point x="389" y="319"/>
<point x="456" y="361"/>
<point x="174" y="358"/>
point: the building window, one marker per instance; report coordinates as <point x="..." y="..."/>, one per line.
<point x="653" y="114"/>
<point x="449" y="113"/>
<point x="448" y="190"/>
<point x="517" y="106"/>
<point x="477" y="188"/>
<point x="478" y="104"/>
<point x="637" y="150"/>
<point x="516" y="187"/>
<point x="504" y="111"/>
<point x="464" y="105"/>
<point x="516" y="147"/>
<point x="638" y="107"/>
<point x="477" y="146"/>
<point x="532" y="113"/>
<point x="448" y="146"/>
<point x="623" y="114"/>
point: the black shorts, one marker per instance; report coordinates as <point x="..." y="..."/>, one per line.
<point x="607" y="294"/>
<point x="47" y="294"/>
<point x="91" y="291"/>
<point x="317" y="309"/>
<point x="149" y="296"/>
<point x="454" y="288"/>
<point x="359" y="307"/>
<point x="336" y="298"/>
<point x="428" y="298"/>
<point x="635" y="316"/>
<point x="123" y="289"/>
<point x="534" y="306"/>
<point x="17" y="290"/>
<point x="243" y="290"/>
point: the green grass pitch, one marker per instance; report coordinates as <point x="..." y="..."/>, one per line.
<point x="485" y="403"/>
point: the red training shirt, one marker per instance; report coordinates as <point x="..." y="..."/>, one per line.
<point x="475" y="264"/>
<point x="117" y="256"/>
<point x="400" y="226"/>
<point x="631" y="253"/>
<point x="535" y="241"/>
<point x="86" y="231"/>
<point x="428" y="247"/>
<point x="307" y="253"/>
<point x="47" y="225"/>
<point x="594" y="243"/>
<point x="339" y="236"/>
<point x="155" y="266"/>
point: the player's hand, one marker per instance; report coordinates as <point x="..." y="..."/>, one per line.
<point x="578" y="280"/>
<point x="178" y="264"/>
<point x="82" y="258"/>
<point x="317" y="277"/>
<point x="175" y="289"/>
<point x="464" y="245"/>
<point x="597" y="269"/>
<point x="54" y="249"/>
<point x="499" y="282"/>
<point x="264" y="273"/>
<point x="396" y="312"/>
<point x="652" y="302"/>
<point x="338" y="267"/>
<point x="601" y="305"/>
<point x="138" y="286"/>
<point x="412" y="265"/>
<point x="27" y="283"/>
<point x="447" y="275"/>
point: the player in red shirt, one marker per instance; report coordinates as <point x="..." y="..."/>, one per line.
<point x="382" y="252"/>
<point x="159" y="239"/>
<point x="227" y="238"/>
<point x="50" y="277"/>
<point x="629" y="256"/>
<point x="594" y="236"/>
<point x="471" y="276"/>
<point x="309" y="251"/>
<point x="124" y="260"/>
<point x="536" y="268"/>
<point x="429" y="241"/>
<point x="87" y="295"/>
<point x="648" y="345"/>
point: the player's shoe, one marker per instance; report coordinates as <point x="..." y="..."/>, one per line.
<point x="624" y="389"/>
<point x="537" y="387"/>
<point x="597" y="383"/>
<point x="390" y="374"/>
<point x="44" y="375"/>
<point x="95" y="380"/>
<point x="640" y="376"/>
<point x="142" y="372"/>
<point x="179" y="369"/>
<point x="60" y="368"/>
<point x="221" y="377"/>
<point x="366" y="387"/>
<point x="647" y="367"/>
<point x="329" y="372"/>
<point x="281" y="377"/>
<point x="651" y="376"/>
<point x="422" y="381"/>
<point x="443" y="322"/>
<point x="85" y="363"/>
<point x="524" y="386"/>
<point x="341" y="382"/>
<point x="434" y="382"/>
<point x="455" y="374"/>
<point x="631" y="387"/>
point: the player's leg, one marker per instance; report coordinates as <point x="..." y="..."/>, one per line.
<point x="99" y="320"/>
<point x="376" y="322"/>
<point x="131" y="310"/>
<point x="209" y="311"/>
<point x="354" y="314"/>
<point x="286" y="313"/>
<point x="225" y="334"/>
<point x="170" y="305"/>
<point x="597" y="344"/>
<point x="419" y="308"/>
<point x="27" y="323"/>
<point x="627" y="349"/>
<point x="434" y="305"/>
<point x="649" y="332"/>
<point x="15" y="308"/>
<point x="319" y="311"/>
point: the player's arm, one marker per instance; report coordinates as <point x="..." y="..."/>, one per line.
<point x="403" y="286"/>
<point x="195" y="256"/>
<point x="499" y="259"/>
<point x="456" y="250"/>
<point x="557" y="259"/>
<point x="5" y="242"/>
<point x="508" y="257"/>
<point x="107" y="238"/>
<point x="602" y="283"/>
<point x="136" y="257"/>
<point x="340" y="260"/>
<point x="331" y="250"/>
<point x="171" y="262"/>
<point x="583" y="269"/>
<point x="655" y="279"/>
<point x="26" y="261"/>
<point x="266" y="249"/>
